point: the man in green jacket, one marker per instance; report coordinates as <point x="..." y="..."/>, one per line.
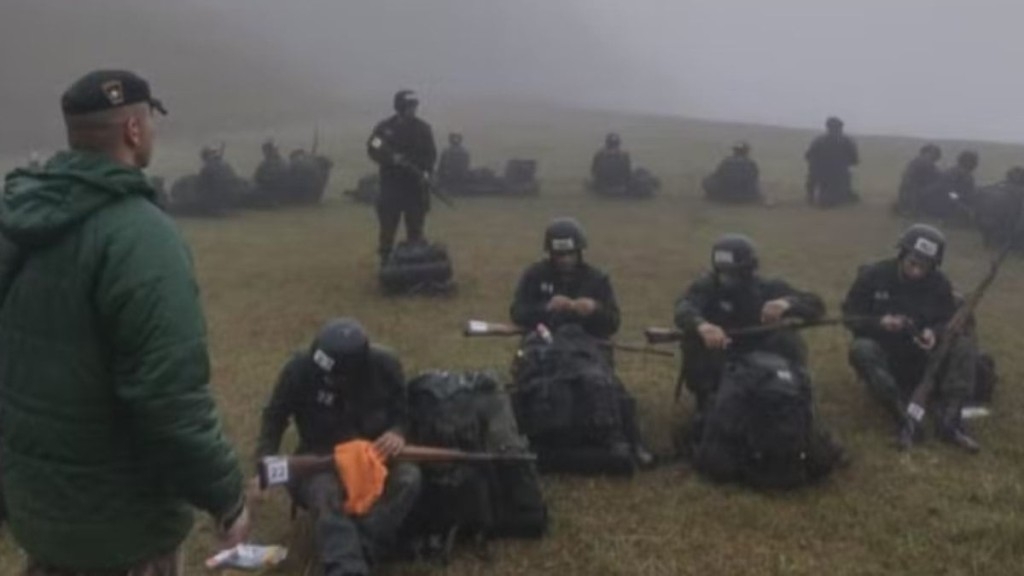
<point x="108" y="432"/>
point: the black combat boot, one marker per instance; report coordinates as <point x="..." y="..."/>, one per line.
<point x="949" y="428"/>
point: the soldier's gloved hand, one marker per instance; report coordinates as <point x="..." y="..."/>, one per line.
<point x="926" y="339"/>
<point x="389" y="444"/>
<point x="893" y="323"/>
<point x="584" y="306"/>
<point x="559" y="303"/>
<point x="773" y="310"/>
<point x="713" y="336"/>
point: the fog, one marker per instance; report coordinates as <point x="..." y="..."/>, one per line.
<point x="941" y="68"/>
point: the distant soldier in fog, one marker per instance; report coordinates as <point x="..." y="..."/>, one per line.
<point x="920" y="174"/>
<point x="736" y="180"/>
<point x="453" y="168"/>
<point x="611" y="166"/>
<point x="997" y="211"/>
<point x="271" y="176"/>
<point x="217" y="184"/>
<point x="951" y="196"/>
<point x="829" y="159"/>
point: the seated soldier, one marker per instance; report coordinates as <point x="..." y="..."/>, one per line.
<point x="921" y="173"/>
<point x="997" y="211"/>
<point x="612" y="167"/>
<point x="271" y="176"/>
<point x="729" y="297"/>
<point x="453" y="168"/>
<point x="217" y="183"/>
<point x="898" y="307"/>
<point x="303" y="177"/>
<point x="341" y="389"/>
<point x="951" y="196"/>
<point x="736" y="178"/>
<point x="564" y="290"/>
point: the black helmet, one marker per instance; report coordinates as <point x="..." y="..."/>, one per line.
<point x="564" y="235"/>
<point x="742" y="147"/>
<point x="833" y="122"/>
<point x="925" y="240"/>
<point x="967" y="159"/>
<point x="734" y="252"/>
<point x="612" y="140"/>
<point x="455" y="138"/>
<point x="341" y="344"/>
<point x="1015" y="175"/>
<point x="405" y="99"/>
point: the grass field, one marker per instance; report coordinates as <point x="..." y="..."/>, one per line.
<point x="270" y="279"/>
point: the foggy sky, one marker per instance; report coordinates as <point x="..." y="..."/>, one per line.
<point x="944" y="68"/>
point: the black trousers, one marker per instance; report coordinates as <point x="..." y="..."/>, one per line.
<point x="347" y="545"/>
<point x="397" y="200"/>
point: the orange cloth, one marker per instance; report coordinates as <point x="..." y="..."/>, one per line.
<point x="362" y="474"/>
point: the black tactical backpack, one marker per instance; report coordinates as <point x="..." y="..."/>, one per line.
<point x="760" y="427"/>
<point x="568" y="401"/>
<point x="417" y="267"/>
<point x="471" y="411"/>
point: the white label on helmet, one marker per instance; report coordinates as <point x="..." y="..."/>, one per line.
<point x="784" y="375"/>
<point x="926" y="247"/>
<point x="325" y="362"/>
<point x="375" y="143"/>
<point x="915" y="411"/>
<point x="723" y="257"/>
<point x="954" y="196"/>
<point x="563" y="244"/>
<point x="277" y="470"/>
<point x="477" y="326"/>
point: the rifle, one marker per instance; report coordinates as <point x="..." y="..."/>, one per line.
<point x="961" y="318"/>
<point x="278" y="470"/>
<point x="656" y="335"/>
<point x="484" y="328"/>
<point x="378" y="143"/>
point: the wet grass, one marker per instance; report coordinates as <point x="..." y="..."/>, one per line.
<point x="269" y="280"/>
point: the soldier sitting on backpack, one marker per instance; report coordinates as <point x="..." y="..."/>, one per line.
<point x="563" y="290"/>
<point x="344" y="389"/>
<point x="736" y="178"/>
<point x="270" y="180"/>
<point x="611" y="168"/>
<point x="901" y="306"/>
<point x="733" y="296"/>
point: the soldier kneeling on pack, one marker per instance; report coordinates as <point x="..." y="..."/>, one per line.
<point x="898" y="307"/>
<point x="341" y="389"/>
<point x="569" y="402"/>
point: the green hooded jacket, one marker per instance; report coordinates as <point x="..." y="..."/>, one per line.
<point x="108" y="431"/>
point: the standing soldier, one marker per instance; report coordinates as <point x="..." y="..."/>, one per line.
<point x="908" y="301"/>
<point x="403" y="146"/>
<point x="109" y="431"/>
<point x="829" y="159"/>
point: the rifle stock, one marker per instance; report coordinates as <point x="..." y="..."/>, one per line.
<point x="658" y="335"/>
<point x="954" y="328"/>
<point x="483" y="328"/>
<point x="278" y="470"/>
